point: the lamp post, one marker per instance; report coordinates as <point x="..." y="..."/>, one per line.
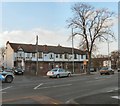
<point x="108" y="53"/>
<point x="37" y="54"/>
<point x="73" y="52"/>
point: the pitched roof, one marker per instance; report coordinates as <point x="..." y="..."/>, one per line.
<point x="44" y="48"/>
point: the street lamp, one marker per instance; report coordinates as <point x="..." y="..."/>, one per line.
<point x="108" y="53"/>
<point x="37" y="55"/>
<point x="73" y="52"/>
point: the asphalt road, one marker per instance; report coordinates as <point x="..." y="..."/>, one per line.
<point x="69" y="90"/>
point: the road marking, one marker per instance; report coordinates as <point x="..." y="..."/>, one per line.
<point x="110" y="91"/>
<point x="38" y="86"/>
<point x="115" y="97"/>
<point x="55" y="86"/>
<point x="115" y="89"/>
<point x="6" y="88"/>
<point x="101" y="77"/>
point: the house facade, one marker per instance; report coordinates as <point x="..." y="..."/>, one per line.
<point x="47" y="57"/>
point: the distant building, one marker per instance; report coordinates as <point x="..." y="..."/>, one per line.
<point x="99" y="62"/>
<point x="25" y="56"/>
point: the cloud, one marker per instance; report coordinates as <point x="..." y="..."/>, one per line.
<point x="45" y="37"/>
<point x="48" y="37"/>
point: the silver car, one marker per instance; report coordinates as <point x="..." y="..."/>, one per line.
<point x="58" y="72"/>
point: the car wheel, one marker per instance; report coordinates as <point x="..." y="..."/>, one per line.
<point x="100" y="73"/>
<point x="69" y="75"/>
<point x="9" y="79"/>
<point x="58" y="76"/>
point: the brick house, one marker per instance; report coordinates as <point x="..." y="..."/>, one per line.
<point x="25" y="55"/>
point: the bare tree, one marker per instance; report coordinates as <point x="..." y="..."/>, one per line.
<point x="92" y="25"/>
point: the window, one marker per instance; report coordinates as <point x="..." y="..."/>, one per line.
<point x="75" y="56"/>
<point x="61" y="70"/>
<point x="39" y="54"/>
<point x="51" y="56"/>
<point x="19" y="54"/>
<point x="33" y="55"/>
<point x="66" y="56"/>
<point x="81" y="56"/>
<point x="28" y="55"/>
<point x="60" y="55"/>
<point x="56" y="55"/>
<point x="86" y="56"/>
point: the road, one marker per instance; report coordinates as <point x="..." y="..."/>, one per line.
<point x="43" y="90"/>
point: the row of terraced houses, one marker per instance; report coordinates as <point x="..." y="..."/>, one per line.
<point x="25" y="56"/>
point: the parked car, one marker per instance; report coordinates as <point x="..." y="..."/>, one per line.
<point x="58" y="72"/>
<point x="92" y="69"/>
<point x="106" y="70"/>
<point x="118" y="69"/>
<point x="18" y="71"/>
<point x="2" y="78"/>
<point x="6" y="69"/>
<point x="6" y="76"/>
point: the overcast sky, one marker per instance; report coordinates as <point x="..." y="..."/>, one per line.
<point x="22" y="21"/>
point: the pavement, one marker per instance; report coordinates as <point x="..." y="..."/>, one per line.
<point x="31" y="100"/>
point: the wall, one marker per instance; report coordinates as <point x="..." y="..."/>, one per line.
<point x="9" y="58"/>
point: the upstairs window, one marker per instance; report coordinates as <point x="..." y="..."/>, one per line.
<point x="56" y="55"/>
<point x="86" y="56"/>
<point x="51" y="56"/>
<point x="39" y="54"/>
<point x="28" y="55"/>
<point x="66" y="56"/>
<point x="33" y="55"/>
<point x="82" y="56"/>
<point x="19" y="54"/>
<point x="75" y="56"/>
<point x="60" y="55"/>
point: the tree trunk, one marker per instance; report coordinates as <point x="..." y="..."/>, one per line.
<point x="89" y="63"/>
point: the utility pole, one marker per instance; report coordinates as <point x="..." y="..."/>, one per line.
<point x="109" y="64"/>
<point x="108" y="55"/>
<point x="37" y="55"/>
<point x="73" y="52"/>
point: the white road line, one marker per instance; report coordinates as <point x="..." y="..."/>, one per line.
<point x="38" y="86"/>
<point x="115" y="97"/>
<point x="102" y="77"/>
<point x="55" y="86"/>
<point x="110" y="91"/>
<point x="5" y="88"/>
<point x="115" y="89"/>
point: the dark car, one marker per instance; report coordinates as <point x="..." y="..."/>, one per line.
<point x="118" y="69"/>
<point x="18" y="71"/>
<point x="106" y="70"/>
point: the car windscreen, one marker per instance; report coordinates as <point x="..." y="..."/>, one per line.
<point x="19" y="69"/>
<point x="104" y="68"/>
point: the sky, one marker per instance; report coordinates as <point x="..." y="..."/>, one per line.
<point x="22" y="21"/>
